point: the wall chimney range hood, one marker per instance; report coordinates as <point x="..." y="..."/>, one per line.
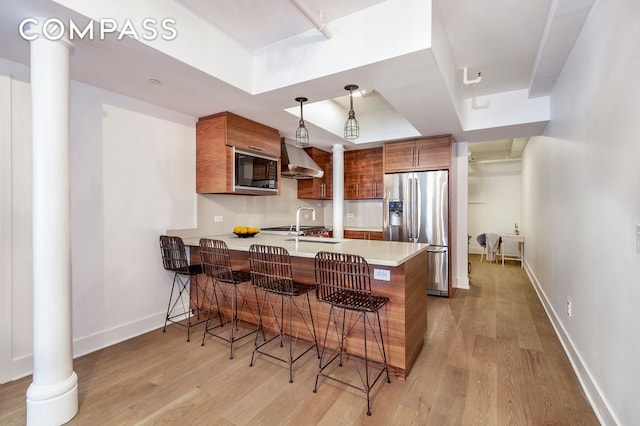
<point x="296" y="163"/>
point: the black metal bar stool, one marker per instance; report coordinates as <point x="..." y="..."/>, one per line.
<point x="174" y="259"/>
<point x="342" y="280"/>
<point x="271" y="271"/>
<point x="216" y="264"/>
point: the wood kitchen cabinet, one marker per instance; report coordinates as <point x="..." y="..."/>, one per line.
<point x="363" y="176"/>
<point x="216" y="137"/>
<point x="363" y="235"/>
<point x="433" y="153"/>
<point x="318" y="188"/>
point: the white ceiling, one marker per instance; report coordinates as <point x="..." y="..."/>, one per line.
<point x="516" y="45"/>
<point x="259" y="23"/>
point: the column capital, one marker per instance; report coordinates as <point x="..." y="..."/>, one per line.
<point x="337" y="147"/>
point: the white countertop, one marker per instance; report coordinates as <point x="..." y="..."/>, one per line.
<point x="386" y="253"/>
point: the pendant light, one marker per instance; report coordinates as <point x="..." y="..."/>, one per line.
<point x="351" y="127"/>
<point x="302" y="134"/>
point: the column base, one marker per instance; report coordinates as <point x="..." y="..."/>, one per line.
<point x="52" y="404"/>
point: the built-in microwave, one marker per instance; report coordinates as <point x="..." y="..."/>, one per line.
<point x="254" y="173"/>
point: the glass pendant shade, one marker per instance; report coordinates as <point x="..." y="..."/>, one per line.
<point x="351" y="126"/>
<point x="302" y="134"/>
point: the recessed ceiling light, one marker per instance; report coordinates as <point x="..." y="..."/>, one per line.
<point x="154" y="81"/>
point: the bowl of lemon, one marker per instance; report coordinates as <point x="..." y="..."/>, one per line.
<point x="245" y="231"/>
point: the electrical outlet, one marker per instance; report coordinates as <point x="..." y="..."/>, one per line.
<point x="569" y="308"/>
<point x="218" y="219"/>
<point x="306" y="215"/>
<point x="638" y="239"/>
<point x="349" y="215"/>
<point x="381" y="274"/>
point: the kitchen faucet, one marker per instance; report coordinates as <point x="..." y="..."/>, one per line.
<point x="313" y="217"/>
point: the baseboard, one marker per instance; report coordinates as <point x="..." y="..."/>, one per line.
<point x="23" y="366"/>
<point x="462" y="283"/>
<point x="592" y="391"/>
<point x="88" y="344"/>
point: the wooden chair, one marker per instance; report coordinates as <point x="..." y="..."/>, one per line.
<point x="343" y="281"/>
<point x="271" y="271"/>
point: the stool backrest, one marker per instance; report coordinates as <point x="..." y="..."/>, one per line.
<point x="174" y="256"/>
<point x="337" y="272"/>
<point x="270" y="268"/>
<point x="216" y="262"/>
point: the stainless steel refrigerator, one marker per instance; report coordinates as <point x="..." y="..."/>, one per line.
<point x="416" y="209"/>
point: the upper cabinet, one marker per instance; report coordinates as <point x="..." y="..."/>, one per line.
<point x="433" y="153"/>
<point x="216" y="138"/>
<point x="363" y="176"/>
<point x="318" y="188"/>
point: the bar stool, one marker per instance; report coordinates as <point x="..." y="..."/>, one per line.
<point x="216" y="264"/>
<point x="342" y="281"/>
<point x="271" y="271"/>
<point x="174" y="259"/>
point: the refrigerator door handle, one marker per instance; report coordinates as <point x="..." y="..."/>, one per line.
<point x="417" y="209"/>
<point x="410" y="216"/>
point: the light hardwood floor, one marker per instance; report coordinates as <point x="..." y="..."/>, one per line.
<point x="491" y="357"/>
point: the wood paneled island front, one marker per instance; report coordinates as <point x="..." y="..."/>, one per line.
<point x="404" y="318"/>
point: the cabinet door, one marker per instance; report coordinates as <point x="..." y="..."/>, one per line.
<point x="351" y="175"/>
<point x="247" y="134"/>
<point x="356" y="235"/>
<point x="376" y="235"/>
<point x="399" y="156"/>
<point x="370" y="184"/>
<point x="318" y="188"/>
<point x="363" y="235"/>
<point x="363" y="175"/>
<point x="213" y="158"/>
<point x="433" y="153"/>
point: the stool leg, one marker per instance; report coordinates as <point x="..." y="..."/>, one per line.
<point x="384" y="351"/>
<point x="313" y="326"/>
<point x="255" y="342"/>
<point x="234" y="316"/>
<point x="173" y="285"/>
<point x="366" y="359"/>
<point x="324" y="348"/>
<point x="189" y="311"/>
<point x="342" y="335"/>
<point x="290" y="339"/>
<point x="215" y="296"/>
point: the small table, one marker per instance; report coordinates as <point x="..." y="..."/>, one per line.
<point x="516" y="238"/>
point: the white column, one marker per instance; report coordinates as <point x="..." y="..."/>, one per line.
<point x="338" y="190"/>
<point x="52" y="397"/>
<point x="459" y="187"/>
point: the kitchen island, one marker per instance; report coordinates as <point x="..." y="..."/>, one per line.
<point x="398" y="271"/>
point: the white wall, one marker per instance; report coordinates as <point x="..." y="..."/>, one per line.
<point x="132" y="177"/>
<point x="581" y="204"/>
<point x="494" y="201"/>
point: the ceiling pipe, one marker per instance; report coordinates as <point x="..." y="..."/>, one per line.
<point x="466" y="80"/>
<point x="318" y="23"/>
<point x="505" y="160"/>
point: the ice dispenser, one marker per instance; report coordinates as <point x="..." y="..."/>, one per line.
<point x="395" y="213"/>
